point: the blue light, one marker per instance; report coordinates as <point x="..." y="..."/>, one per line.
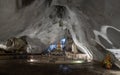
<point x="54" y="46"/>
<point x="63" y="41"/>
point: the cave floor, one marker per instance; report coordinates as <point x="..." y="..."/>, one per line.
<point x="23" y="67"/>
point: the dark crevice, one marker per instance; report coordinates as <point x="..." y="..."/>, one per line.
<point x="27" y="2"/>
<point x="48" y="2"/>
<point x="59" y="11"/>
<point x="23" y="3"/>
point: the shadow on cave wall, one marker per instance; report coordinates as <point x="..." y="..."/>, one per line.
<point x="23" y="3"/>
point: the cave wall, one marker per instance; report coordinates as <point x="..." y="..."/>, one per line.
<point x="102" y="12"/>
<point x="99" y="12"/>
<point x="95" y="10"/>
<point x="7" y="7"/>
<point x="112" y="12"/>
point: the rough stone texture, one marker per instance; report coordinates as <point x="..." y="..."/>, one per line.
<point x="99" y="12"/>
<point x="7" y="8"/>
<point x="92" y="14"/>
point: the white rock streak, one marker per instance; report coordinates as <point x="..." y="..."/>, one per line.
<point x="103" y="33"/>
<point x="79" y="41"/>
